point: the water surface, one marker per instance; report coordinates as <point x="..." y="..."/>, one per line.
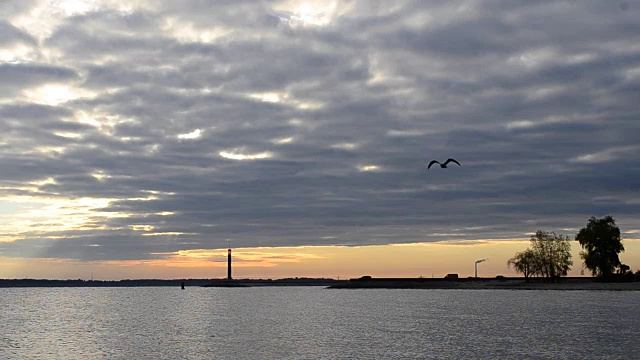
<point x="316" y="323"/>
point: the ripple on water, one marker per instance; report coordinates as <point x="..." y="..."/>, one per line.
<point x="315" y="323"/>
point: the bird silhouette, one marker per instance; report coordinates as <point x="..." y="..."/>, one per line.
<point x="444" y="165"/>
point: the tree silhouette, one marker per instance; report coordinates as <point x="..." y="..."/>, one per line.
<point x="553" y="253"/>
<point x="601" y="244"/>
<point x="549" y="257"/>
<point x="624" y="269"/>
<point x="525" y="263"/>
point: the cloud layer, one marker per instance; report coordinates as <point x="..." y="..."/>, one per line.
<point x="129" y="129"/>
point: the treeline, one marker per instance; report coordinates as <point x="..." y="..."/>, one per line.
<point x="549" y="256"/>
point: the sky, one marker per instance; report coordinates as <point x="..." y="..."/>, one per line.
<point x="140" y="139"/>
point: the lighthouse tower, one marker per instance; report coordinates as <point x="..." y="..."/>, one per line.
<point x="229" y="265"/>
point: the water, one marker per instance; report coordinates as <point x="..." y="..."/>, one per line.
<point x="316" y="323"/>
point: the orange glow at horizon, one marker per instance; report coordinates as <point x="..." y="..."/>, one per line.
<point x="399" y="260"/>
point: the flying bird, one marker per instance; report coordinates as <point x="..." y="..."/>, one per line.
<point x="444" y="166"/>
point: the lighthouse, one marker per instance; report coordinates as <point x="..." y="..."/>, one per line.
<point x="229" y="265"/>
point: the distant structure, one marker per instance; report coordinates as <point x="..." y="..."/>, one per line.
<point x="476" y="265"/>
<point x="229" y="265"/>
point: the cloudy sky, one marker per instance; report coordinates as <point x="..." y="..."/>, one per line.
<point x="160" y="132"/>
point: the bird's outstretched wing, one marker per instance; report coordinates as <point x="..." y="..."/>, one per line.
<point x="451" y="160"/>
<point x="432" y="162"/>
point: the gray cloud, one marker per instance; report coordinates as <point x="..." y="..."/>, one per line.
<point x="342" y="117"/>
<point x="15" y="77"/>
<point x="10" y="35"/>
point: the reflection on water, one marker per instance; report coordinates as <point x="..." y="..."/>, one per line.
<point x="315" y="323"/>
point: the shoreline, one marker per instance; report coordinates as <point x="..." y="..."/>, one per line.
<point x="511" y="283"/>
<point x="33" y="283"/>
<point x="571" y="284"/>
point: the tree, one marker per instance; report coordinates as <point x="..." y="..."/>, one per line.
<point x="549" y="257"/>
<point x="624" y="269"/>
<point x="524" y="262"/>
<point x="553" y="254"/>
<point x="601" y="244"/>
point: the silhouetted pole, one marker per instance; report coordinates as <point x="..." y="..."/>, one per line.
<point x="229" y="265"/>
<point x="476" y="265"/>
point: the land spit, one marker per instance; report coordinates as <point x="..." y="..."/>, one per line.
<point x="169" y="282"/>
<point x="574" y="283"/>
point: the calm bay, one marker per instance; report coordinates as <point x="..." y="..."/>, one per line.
<point x="316" y="323"/>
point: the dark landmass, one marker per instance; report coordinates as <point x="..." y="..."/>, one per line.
<point x="276" y="282"/>
<point x="365" y="282"/>
<point x="173" y="282"/>
<point x="226" y="283"/>
<point x="100" y="283"/>
<point x="502" y="283"/>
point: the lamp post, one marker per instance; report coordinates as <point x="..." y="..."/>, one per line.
<point x="476" y="265"/>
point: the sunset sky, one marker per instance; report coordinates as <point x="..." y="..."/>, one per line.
<point x="140" y="139"/>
